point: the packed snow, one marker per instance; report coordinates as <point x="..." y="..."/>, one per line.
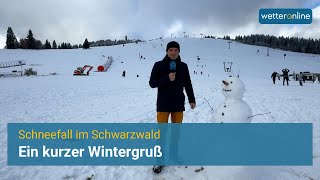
<point x="55" y="95"/>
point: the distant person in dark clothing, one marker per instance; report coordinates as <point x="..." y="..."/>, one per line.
<point x="124" y="74"/>
<point x="285" y="75"/>
<point x="274" y="76"/>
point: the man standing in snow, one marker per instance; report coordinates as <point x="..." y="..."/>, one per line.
<point x="285" y="75"/>
<point x="300" y="79"/>
<point x="171" y="76"/>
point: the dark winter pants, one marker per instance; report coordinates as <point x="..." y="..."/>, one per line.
<point x="300" y="83"/>
<point x="274" y="80"/>
<point x="286" y="79"/>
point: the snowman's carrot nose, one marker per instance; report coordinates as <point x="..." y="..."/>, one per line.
<point x="225" y="83"/>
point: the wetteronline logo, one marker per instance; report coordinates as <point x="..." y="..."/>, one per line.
<point x="285" y="16"/>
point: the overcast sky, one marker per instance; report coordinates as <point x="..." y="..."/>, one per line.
<point x="74" y="20"/>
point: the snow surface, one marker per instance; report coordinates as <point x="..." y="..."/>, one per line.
<point x="105" y="97"/>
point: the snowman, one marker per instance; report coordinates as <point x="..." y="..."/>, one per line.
<point x="234" y="109"/>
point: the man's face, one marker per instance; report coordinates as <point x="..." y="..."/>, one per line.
<point x="173" y="53"/>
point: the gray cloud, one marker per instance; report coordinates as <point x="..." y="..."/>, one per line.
<point x="74" y="20"/>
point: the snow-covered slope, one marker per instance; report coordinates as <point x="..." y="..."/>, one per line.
<point x="108" y="97"/>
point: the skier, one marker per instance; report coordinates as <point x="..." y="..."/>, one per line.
<point x="124" y="74"/>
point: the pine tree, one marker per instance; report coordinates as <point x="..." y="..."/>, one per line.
<point x="23" y="43"/>
<point x="86" y="44"/>
<point x="38" y="44"/>
<point x="54" y="45"/>
<point x="30" y="40"/>
<point x="12" y="42"/>
<point x="47" y="45"/>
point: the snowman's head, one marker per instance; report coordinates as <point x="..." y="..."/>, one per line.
<point x="233" y="88"/>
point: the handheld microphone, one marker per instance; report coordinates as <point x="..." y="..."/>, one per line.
<point x="173" y="66"/>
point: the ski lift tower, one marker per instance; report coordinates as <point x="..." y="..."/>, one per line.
<point x="229" y="44"/>
<point x="227" y="66"/>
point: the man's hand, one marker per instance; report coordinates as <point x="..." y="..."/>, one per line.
<point x="192" y="105"/>
<point x="172" y="76"/>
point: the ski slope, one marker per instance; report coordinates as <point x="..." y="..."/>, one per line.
<point x="105" y="97"/>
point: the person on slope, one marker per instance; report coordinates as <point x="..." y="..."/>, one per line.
<point x="171" y="76"/>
